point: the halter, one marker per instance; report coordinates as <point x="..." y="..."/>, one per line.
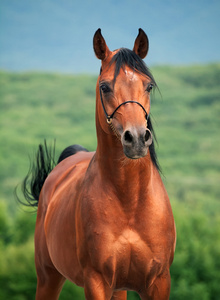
<point x="110" y="117"/>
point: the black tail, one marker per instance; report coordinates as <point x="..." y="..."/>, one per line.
<point x="40" y="169"/>
<point x="38" y="172"/>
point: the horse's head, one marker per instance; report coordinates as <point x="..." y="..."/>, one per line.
<point x="123" y="94"/>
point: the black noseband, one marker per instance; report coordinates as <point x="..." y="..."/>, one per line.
<point x="109" y="117"/>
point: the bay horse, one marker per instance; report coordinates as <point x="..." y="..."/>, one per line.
<point x="104" y="219"/>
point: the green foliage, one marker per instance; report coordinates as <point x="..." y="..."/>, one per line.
<point x="195" y="271"/>
<point x="5" y="235"/>
<point x="17" y="272"/>
<point x="186" y="120"/>
<point x="24" y="225"/>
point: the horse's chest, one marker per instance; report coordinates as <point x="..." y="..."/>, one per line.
<point x="123" y="258"/>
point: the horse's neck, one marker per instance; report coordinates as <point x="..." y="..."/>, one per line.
<point x="126" y="175"/>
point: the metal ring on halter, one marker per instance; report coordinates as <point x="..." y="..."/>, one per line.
<point x="109" y="120"/>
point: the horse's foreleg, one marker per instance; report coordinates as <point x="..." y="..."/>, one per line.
<point x="49" y="284"/>
<point x="122" y="295"/>
<point x="95" y="287"/>
<point x="160" y="289"/>
<point x="49" y="280"/>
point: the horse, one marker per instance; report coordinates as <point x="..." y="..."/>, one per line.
<point x="104" y="219"/>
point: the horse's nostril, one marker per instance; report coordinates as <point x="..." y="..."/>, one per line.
<point x="148" y="138"/>
<point x="147" y="135"/>
<point x="128" y="136"/>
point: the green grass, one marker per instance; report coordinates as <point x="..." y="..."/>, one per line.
<point x="35" y="106"/>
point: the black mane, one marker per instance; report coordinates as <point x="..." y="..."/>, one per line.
<point x="125" y="57"/>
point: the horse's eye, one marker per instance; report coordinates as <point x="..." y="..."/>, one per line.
<point x="150" y="87"/>
<point x="105" y="88"/>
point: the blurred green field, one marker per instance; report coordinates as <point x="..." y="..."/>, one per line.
<point x="185" y="113"/>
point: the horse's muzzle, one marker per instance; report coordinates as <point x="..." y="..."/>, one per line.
<point x="136" y="142"/>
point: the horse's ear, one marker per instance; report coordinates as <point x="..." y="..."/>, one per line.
<point x="141" y="44"/>
<point x="99" y="45"/>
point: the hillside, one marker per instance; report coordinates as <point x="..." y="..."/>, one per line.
<point x="35" y="106"/>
